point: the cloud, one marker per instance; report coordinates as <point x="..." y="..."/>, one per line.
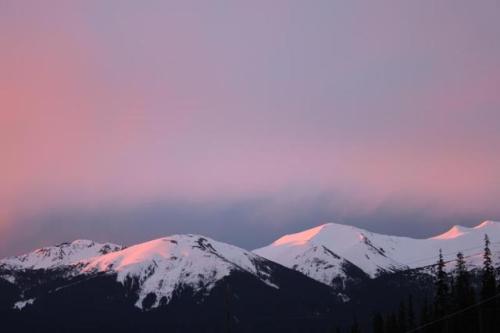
<point x="249" y="222"/>
<point x="383" y="108"/>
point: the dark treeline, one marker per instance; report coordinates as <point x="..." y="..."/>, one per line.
<point x="459" y="305"/>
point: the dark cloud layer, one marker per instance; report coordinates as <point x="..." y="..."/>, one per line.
<point x="249" y="223"/>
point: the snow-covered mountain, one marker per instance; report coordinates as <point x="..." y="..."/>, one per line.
<point x="193" y="282"/>
<point x="323" y="252"/>
<point x="155" y="270"/>
<point x="161" y="266"/>
<point x="181" y="282"/>
<point x="59" y="255"/>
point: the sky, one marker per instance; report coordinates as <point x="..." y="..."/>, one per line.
<point x="129" y="120"/>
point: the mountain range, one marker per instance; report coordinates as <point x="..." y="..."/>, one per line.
<point x="335" y="254"/>
<point x="315" y="278"/>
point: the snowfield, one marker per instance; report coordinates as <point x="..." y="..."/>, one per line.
<point x="376" y="253"/>
<point x="333" y="254"/>
<point x="59" y="255"/>
<point x="164" y="264"/>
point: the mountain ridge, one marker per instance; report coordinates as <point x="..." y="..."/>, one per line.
<point x="336" y="255"/>
<point x="375" y="253"/>
<point x="164" y="263"/>
<point x="62" y="254"/>
<point x="319" y="275"/>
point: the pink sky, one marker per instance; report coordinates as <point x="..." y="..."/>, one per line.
<point x="121" y="103"/>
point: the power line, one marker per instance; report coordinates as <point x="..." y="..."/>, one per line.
<point x="446" y="254"/>
<point x="99" y="274"/>
<point x="449" y="253"/>
<point x="94" y="275"/>
<point x="451" y="315"/>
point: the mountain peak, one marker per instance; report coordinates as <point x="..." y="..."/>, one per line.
<point x="458" y="230"/>
<point x="340" y="233"/>
<point x="373" y="253"/>
<point x="486" y="224"/>
<point x="301" y="237"/>
<point x="454" y="232"/>
<point x="357" y="246"/>
<point x="62" y="254"/>
<point x="162" y="265"/>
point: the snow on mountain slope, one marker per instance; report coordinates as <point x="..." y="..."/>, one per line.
<point x="332" y="254"/>
<point x="323" y="265"/>
<point x="359" y="247"/>
<point x="376" y="253"/>
<point x="163" y="265"/>
<point x="59" y="255"/>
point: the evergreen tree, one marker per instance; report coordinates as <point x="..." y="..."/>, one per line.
<point x="402" y="317"/>
<point x="441" y="299"/>
<point x="378" y="323"/>
<point x="391" y="324"/>
<point x="488" y="279"/>
<point x="425" y="315"/>
<point x="463" y="297"/>
<point x="335" y="329"/>
<point x="462" y="290"/>
<point x="452" y="284"/>
<point x="355" y="327"/>
<point x="488" y="290"/>
<point x="411" y="313"/>
<point x="227" y="305"/>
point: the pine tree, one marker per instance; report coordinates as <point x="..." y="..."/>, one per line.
<point x="335" y="329"/>
<point x="488" y="278"/>
<point x="378" y="323"/>
<point x="355" y="327"/>
<point x="461" y="284"/>
<point x="402" y="317"/>
<point x="488" y="290"/>
<point x="227" y="305"/>
<point x="391" y="324"/>
<point x="425" y="316"/>
<point x="441" y="300"/>
<point x="411" y="313"/>
<point x="463" y="297"/>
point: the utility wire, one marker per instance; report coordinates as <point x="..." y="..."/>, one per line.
<point x="99" y="274"/>
<point x="449" y="260"/>
<point x="318" y="316"/>
<point x="449" y="253"/>
<point x="453" y="314"/>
